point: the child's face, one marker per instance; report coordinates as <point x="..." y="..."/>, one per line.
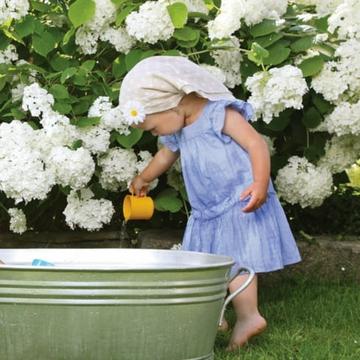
<point x="163" y="123"/>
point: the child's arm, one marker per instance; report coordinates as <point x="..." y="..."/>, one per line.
<point x="246" y="136"/>
<point x="162" y="160"/>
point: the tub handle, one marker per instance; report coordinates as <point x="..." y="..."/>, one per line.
<point x="237" y="291"/>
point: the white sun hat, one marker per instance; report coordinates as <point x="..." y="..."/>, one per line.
<point x="158" y="83"/>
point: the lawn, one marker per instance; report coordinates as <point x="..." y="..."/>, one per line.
<point x="307" y="319"/>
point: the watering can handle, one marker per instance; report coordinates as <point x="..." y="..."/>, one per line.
<point x="237" y="291"/>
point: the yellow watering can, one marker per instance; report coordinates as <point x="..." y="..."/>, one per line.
<point x="138" y="207"/>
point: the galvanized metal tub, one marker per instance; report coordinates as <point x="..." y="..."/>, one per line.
<point x="111" y="304"/>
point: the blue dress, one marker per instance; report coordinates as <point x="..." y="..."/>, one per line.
<point x="216" y="169"/>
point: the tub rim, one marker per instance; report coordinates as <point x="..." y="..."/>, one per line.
<point x="224" y="261"/>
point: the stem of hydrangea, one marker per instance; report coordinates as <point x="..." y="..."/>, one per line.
<point x="307" y="138"/>
<point x="1" y="205"/>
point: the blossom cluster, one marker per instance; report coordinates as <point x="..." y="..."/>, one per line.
<point x="276" y="90"/>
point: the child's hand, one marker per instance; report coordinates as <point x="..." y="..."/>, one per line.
<point x="139" y="186"/>
<point x="258" y="192"/>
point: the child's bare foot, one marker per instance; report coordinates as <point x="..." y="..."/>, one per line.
<point x="244" y="330"/>
<point x="224" y="326"/>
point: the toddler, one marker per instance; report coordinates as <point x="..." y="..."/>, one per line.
<point x="226" y="169"/>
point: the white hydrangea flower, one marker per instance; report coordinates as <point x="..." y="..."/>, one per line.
<point x="114" y="119"/>
<point x="228" y="20"/>
<point x="340" y="152"/>
<point x="256" y="11"/>
<point x="340" y="80"/>
<point x="345" y="119"/>
<point x="229" y="61"/>
<point x="192" y="5"/>
<point x="105" y="13"/>
<point x="300" y="182"/>
<point x="8" y="55"/>
<point x="37" y="100"/>
<point x="100" y="106"/>
<point x="17" y="220"/>
<point x="145" y="158"/>
<point x="176" y="247"/>
<point x="87" y="213"/>
<point x="323" y="7"/>
<point x="13" y="9"/>
<point x="118" y="168"/>
<point x="270" y="143"/>
<point x="329" y="82"/>
<point x="345" y="19"/>
<point x="151" y="23"/>
<point x="111" y="118"/>
<point x="17" y="92"/>
<point x="87" y="39"/>
<point x="56" y="131"/>
<point x="94" y="138"/>
<point x="23" y="175"/>
<point x="71" y="167"/>
<point x="215" y="71"/>
<point x="119" y="38"/>
<point x="276" y="90"/>
<point x="133" y="112"/>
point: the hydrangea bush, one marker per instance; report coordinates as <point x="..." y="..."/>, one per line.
<point x="62" y="133"/>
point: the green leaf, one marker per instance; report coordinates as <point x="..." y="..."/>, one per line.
<point x="190" y="43"/>
<point x="60" y="62"/>
<point x="322" y="23"/>
<point x="121" y="16"/>
<point x="312" y="118"/>
<point x="62" y="107"/>
<point x="88" y="65"/>
<point x="81" y="11"/>
<point x="118" y="3"/>
<point x="43" y="43"/>
<point x="321" y="104"/>
<point x="4" y="41"/>
<point x="281" y="122"/>
<point x="277" y="54"/>
<point x="85" y="121"/>
<point x="302" y="44"/>
<point x="128" y="141"/>
<point x="25" y="27"/>
<point x="68" y="35"/>
<point x="18" y="114"/>
<point x="119" y="67"/>
<point x="40" y="6"/>
<point x="83" y="105"/>
<point x="185" y="34"/>
<point x="311" y="66"/>
<point x="268" y="40"/>
<point x="132" y="58"/>
<point x="171" y="52"/>
<point x="257" y="54"/>
<point x="178" y="13"/>
<point x="76" y="144"/>
<point x="264" y="28"/>
<point x="325" y="49"/>
<point x="167" y="200"/>
<point x="59" y="91"/>
<point x="3" y="81"/>
<point x="68" y="73"/>
<point x="13" y="35"/>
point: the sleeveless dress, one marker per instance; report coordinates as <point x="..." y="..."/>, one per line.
<point x="216" y="169"/>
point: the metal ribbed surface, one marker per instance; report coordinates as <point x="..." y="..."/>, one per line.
<point x="110" y="310"/>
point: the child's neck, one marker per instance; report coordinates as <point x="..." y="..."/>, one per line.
<point x="191" y="105"/>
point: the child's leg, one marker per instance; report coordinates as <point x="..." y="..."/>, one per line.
<point x="249" y="322"/>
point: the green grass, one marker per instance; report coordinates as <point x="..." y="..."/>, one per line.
<point x="307" y="319"/>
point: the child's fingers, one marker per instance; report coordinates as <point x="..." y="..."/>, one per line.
<point x="251" y="205"/>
